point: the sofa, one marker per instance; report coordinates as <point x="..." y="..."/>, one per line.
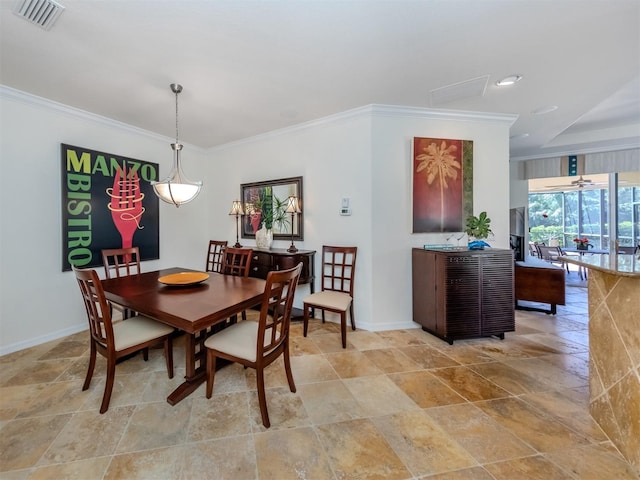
<point x="538" y="281"/>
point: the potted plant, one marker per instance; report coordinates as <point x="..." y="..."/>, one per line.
<point x="478" y="228"/>
<point x="582" y="243"/>
<point x="272" y="213"/>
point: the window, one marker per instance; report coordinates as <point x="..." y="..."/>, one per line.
<point x="563" y="212"/>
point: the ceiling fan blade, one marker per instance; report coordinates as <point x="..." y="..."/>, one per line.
<point x="582" y="181"/>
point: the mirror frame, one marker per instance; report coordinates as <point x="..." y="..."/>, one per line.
<point x="250" y="191"/>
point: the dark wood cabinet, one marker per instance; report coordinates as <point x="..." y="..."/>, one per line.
<point x="463" y="293"/>
<point x="263" y="261"/>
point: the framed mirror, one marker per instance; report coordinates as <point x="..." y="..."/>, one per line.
<point x="265" y="204"/>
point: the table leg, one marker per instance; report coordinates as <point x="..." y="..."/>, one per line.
<point x="196" y="365"/>
<point x="195" y="375"/>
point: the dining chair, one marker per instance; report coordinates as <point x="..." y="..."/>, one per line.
<point x="336" y="295"/>
<point x="214" y="255"/>
<point x="117" y="340"/>
<point x="552" y="255"/>
<point x="258" y="344"/>
<point x="236" y="262"/>
<point x="629" y="250"/>
<point x="121" y="262"/>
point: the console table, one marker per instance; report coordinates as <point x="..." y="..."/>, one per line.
<point x="460" y="293"/>
<point x="265" y="260"/>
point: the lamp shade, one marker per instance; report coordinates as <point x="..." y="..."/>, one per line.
<point x="293" y="205"/>
<point x="236" y="208"/>
<point x="176" y="188"/>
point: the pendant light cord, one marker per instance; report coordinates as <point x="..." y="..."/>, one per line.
<point x="177" y="116"/>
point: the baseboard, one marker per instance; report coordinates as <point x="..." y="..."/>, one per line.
<point x="32" y="342"/>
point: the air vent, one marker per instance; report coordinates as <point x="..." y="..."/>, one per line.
<point x="43" y="13"/>
<point x="469" y="88"/>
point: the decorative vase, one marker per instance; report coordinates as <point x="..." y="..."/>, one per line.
<point x="264" y="238"/>
<point x="582" y="246"/>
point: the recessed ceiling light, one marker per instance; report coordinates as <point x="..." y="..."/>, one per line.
<point x="543" y="110"/>
<point x="510" y="80"/>
<point x="519" y="136"/>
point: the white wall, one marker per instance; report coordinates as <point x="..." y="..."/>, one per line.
<point x="38" y="301"/>
<point x="392" y="136"/>
<point x="363" y="154"/>
<point x="334" y="158"/>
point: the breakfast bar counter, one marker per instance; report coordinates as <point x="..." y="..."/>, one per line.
<point x="614" y="347"/>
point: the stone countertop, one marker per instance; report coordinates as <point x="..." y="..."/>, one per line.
<point x="617" y="264"/>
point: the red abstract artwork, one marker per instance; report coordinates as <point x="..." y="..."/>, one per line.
<point x="442" y="184"/>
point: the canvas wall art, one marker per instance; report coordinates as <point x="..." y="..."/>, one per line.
<point x="442" y="177"/>
<point x="107" y="202"/>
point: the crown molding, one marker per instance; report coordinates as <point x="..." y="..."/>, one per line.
<point x="378" y="110"/>
<point x="372" y="110"/>
<point x="442" y="114"/>
<point x="40" y="102"/>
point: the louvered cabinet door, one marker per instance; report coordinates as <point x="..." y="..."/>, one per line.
<point x="498" y="314"/>
<point x="463" y="294"/>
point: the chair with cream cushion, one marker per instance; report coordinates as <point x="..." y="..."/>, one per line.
<point x="258" y="344"/>
<point x="338" y="270"/>
<point x="117" y="340"/>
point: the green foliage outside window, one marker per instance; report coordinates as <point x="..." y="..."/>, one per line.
<point x="555" y="215"/>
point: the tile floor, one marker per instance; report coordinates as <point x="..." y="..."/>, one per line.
<point x="394" y="405"/>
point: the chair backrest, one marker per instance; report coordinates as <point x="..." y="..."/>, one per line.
<point x="549" y="253"/>
<point x="276" y="308"/>
<point x="236" y="261"/>
<point x="97" y="307"/>
<point x="214" y="255"/>
<point x="121" y="262"/>
<point x="338" y="268"/>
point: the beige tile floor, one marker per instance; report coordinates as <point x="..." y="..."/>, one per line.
<point x="394" y="405"/>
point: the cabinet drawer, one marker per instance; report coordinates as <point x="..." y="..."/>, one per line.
<point x="258" y="271"/>
<point x="261" y="258"/>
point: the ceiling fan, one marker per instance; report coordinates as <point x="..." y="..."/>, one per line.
<point x="579" y="183"/>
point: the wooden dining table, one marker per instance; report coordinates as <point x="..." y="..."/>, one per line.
<point x="194" y="309"/>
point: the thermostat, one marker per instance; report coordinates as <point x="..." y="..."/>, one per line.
<point x="345" y="209"/>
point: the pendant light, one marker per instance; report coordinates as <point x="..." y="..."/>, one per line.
<point x="176" y="188"/>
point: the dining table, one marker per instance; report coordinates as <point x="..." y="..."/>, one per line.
<point x="598" y="251"/>
<point x="198" y="309"/>
<point x="580" y="251"/>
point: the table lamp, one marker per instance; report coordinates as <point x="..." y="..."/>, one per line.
<point x="293" y="207"/>
<point x="236" y="209"/>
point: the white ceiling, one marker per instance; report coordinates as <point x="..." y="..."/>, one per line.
<point x="249" y="67"/>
